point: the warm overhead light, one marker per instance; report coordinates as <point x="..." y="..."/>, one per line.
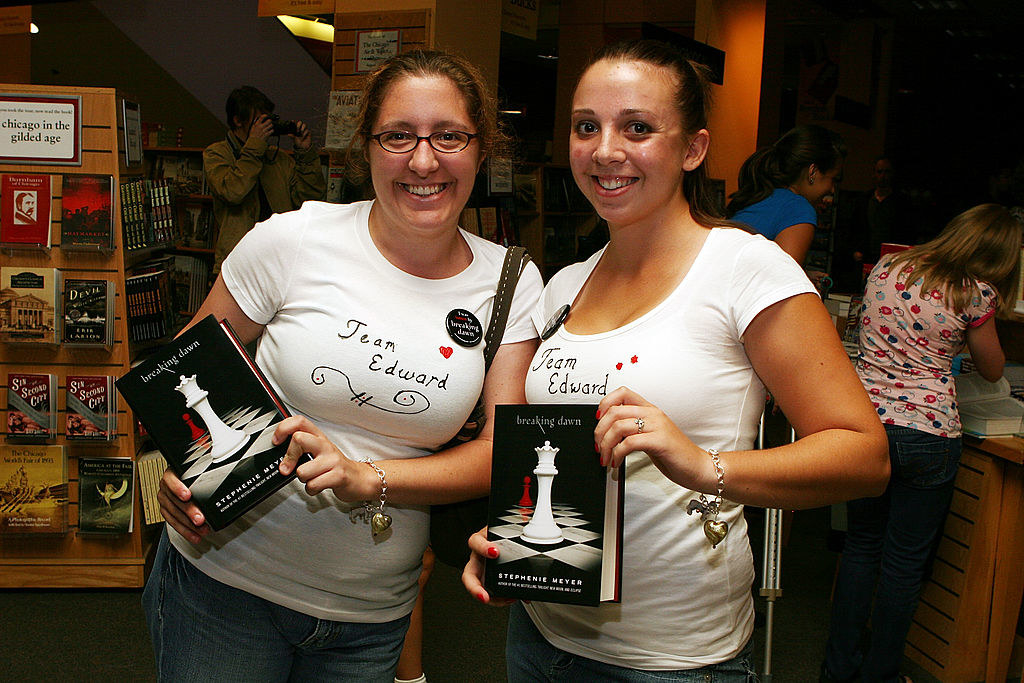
<point x="551" y="57"/>
<point x="511" y="111"/>
<point x="33" y="28"/>
<point x="306" y="28"/>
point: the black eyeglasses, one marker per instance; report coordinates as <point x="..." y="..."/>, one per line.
<point x="445" y="141"/>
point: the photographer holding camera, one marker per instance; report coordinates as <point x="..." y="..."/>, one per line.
<point x="251" y="179"/>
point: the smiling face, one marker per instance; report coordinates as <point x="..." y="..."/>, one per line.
<point x="423" y="190"/>
<point x="824" y="185"/>
<point x="628" y="146"/>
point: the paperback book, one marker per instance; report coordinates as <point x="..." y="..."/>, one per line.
<point x="555" y="513"/>
<point x="151" y="466"/>
<point x="31" y="406"/>
<point x="29" y="298"/>
<point x="106" y="495"/>
<point x="25" y="210"/>
<point x="211" y="413"/>
<point x="33" y="489"/>
<point x="88" y="312"/>
<point x="91" y="408"/>
<point x="87" y="216"/>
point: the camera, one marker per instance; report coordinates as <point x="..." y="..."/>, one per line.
<point x="283" y="127"/>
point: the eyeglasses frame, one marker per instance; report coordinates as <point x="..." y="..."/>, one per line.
<point x="420" y="138"/>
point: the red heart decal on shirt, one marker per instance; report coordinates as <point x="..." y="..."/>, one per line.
<point x="618" y="366"/>
<point x="446" y="351"/>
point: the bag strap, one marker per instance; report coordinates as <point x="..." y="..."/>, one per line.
<point x="516" y="259"/>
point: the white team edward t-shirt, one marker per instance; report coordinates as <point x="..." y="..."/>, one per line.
<point x="684" y="604"/>
<point x="362" y="349"/>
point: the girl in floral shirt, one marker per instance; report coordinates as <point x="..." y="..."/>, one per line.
<point x="921" y="307"/>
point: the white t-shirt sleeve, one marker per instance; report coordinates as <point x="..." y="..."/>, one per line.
<point x="257" y="271"/>
<point x="763" y="274"/>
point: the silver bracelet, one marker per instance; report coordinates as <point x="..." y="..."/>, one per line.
<point x="380" y="521"/>
<point x="714" y="529"/>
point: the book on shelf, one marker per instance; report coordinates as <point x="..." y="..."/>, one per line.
<point x="987" y="408"/>
<point x="151" y="466"/>
<point x="87" y="215"/>
<point x="149" y="296"/>
<point x="134" y="214"/>
<point x="554" y="513"/>
<point x="197" y="230"/>
<point x="88" y="307"/>
<point x="211" y="413"/>
<point x="33" y="489"/>
<point x="29" y="304"/>
<point x="106" y="495"/>
<point x="91" y="408"/>
<point x="31" y="406"/>
<point x="162" y="225"/>
<point x="183" y="172"/>
<point x="490" y="227"/>
<point x="25" y="200"/>
<point x="190" y="278"/>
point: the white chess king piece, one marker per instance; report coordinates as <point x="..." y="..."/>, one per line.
<point x="541" y="527"/>
<point x="225" y="441"/>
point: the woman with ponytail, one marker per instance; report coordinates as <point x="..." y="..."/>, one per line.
<point x="780" y="186"/>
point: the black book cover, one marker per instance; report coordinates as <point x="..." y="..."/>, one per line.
<point x="555" y="515"/>
<point x="88" y="312"/>
<point x="212" y="414"/>
<point x="106" y="495"/>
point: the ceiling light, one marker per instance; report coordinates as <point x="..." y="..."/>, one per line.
<point x="306" y="28"/>
<point x="33" y="28"/>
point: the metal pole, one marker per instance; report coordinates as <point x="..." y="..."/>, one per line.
<point x="771" y="567"/>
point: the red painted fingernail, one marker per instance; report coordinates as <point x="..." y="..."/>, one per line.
<point x="481" y="597"/>
<point x="597" y="448"/>
<point x="492" y="552"/>
<point x="599" y="414"/>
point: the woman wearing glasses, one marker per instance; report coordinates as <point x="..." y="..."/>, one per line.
<point x="370" y="319"/>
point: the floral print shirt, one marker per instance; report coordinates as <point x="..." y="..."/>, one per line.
<point x="908" y="338"/>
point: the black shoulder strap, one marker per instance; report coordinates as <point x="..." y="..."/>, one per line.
<point x="516" y="259"/>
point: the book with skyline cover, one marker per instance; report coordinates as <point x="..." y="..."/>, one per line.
<point x="211" y="413"/>
<point x="87" y="213"/>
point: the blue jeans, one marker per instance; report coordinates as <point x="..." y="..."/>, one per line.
<point x="890" y="543"/>
<point x="529" y="657"/>
<point x="203" y="630"/>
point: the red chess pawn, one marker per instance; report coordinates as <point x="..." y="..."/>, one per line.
<point x="526" y="501"/>
<point x="196" y="430"/>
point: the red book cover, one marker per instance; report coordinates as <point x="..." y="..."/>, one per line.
<point x="31" y="405"/>
<point x="91" y="408"/>
<point x="87" y="219"/>
<point x="25" y="209"/>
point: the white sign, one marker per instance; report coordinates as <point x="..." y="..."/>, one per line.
<point x="375" y="47"/>
<point x="38" y="129"/>
<point x="342" y="110"/>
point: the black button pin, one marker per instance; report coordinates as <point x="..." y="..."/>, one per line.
<point x="464" y="328"/>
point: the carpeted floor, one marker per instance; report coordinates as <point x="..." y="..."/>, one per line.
<point x="90" y="635"/>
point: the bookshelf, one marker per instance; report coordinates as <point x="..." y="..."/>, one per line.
<point x="73" y="560"/>
<point x="552" y="215"/>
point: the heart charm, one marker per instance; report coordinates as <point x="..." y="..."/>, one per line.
<point x="715" y="531"/>
<point x="446" y="351"/>
<point x="380" y="522"/>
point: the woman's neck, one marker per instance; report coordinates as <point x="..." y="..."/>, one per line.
<point x="440" y="254"/>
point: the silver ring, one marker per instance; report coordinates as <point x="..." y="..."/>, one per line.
<point x="639" y="425"/>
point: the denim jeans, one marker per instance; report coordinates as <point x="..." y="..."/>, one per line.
<point x="529" y="658"/>
<point x="204" y="630"/>
<point x="890" y="543"/>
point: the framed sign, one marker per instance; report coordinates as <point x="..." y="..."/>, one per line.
<point x="376" y="47"/>
<point x="499" y="176"/>
<point x="40" y="129"/>
<point x="132" y="132"/>
<point x="342" y="110"/>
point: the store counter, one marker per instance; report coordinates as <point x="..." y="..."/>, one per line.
<point x="966" y="625"/>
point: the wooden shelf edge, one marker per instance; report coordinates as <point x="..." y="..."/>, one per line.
<point x="50" y="573"/>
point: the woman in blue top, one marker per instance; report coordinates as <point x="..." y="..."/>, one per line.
<point x="781" y="185"/>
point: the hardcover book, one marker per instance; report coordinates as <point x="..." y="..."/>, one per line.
<point x="88" y="312"/>
<point x="555" y="513"/>
<point x="151" y="465"/>
<point x="91" y="408"/>
<point x="211" y="413"/>
<point x="987" y="408"/>
<point x="87" y="216"/>
<point x="25" y="210"/>
<point x="33" y="489"/>
<point x="31" y="406"/>
<point x="28" y="305"/>
<point x="106" y="495"/>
